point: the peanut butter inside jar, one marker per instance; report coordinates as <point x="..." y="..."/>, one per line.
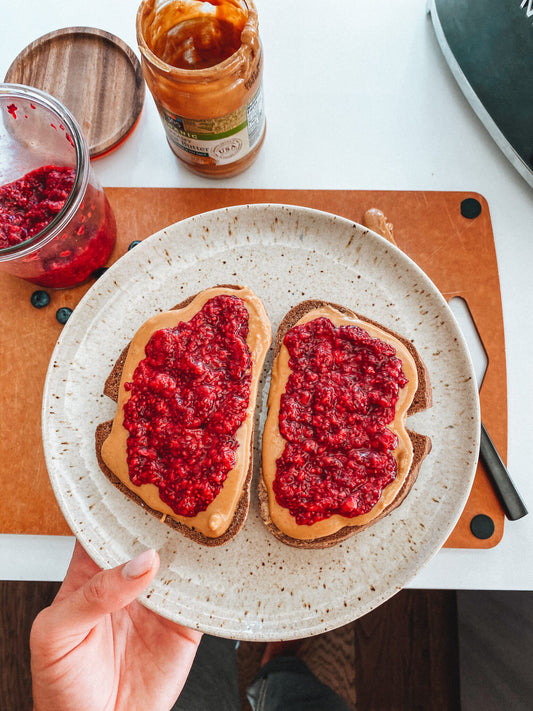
<point x="203" y="64"/>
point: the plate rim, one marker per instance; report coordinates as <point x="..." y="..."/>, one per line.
<point x="287" y="208"/>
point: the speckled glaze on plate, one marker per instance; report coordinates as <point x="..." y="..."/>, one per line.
<point x="256" y="588"/>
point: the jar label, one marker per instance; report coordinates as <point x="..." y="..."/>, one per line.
<point x="221" y="140"/>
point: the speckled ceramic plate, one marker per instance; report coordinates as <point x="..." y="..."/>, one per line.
<point x="255" y="587"/>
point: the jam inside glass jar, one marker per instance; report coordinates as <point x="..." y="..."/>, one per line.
<point x="56" y="224"/>
<point x="203" y="63"/>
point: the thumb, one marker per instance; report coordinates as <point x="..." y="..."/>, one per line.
<point x="104" y="593"/>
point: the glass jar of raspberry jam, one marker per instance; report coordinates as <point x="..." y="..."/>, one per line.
<point x="203" y="63"/>
<point x="56" y="224"/>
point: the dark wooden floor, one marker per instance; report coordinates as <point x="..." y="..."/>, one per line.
<point x="496" y="650"/>
<point x="401" y="657"/>
<point x="19" y="604"/>
<point x="404" y="654"/>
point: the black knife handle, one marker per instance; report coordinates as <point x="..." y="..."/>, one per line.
<point x="509" y="497"/>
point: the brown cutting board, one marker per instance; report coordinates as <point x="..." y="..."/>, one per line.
<point x="457" y="253"/>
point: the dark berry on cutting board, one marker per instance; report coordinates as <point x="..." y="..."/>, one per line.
<point x="98" y="272"/>
<point x="63" y="314"/>
<point x="40" y="299"/>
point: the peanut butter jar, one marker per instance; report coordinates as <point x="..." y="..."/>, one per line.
<point x="203" y="64"/>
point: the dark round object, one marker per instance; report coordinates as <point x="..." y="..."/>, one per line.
<point x="133" y="244"/>
<point x="482" y="526"/>
<point x="63" y="314"/>
<point x="40" y="299"/>
<point x="470" y="208"/>
<point x="98" y="272"/>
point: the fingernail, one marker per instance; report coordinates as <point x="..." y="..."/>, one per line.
<point x="140" y="565"/>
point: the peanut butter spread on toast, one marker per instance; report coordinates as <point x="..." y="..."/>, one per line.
<point x="216" y="519"/>
<point x="274" y="443"/>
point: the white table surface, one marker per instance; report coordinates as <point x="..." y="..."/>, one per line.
<point x="358" y="96"/>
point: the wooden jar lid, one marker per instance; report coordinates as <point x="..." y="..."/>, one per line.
<point x="93" y="73"/>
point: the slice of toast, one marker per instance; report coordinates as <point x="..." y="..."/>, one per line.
<point x="421" y="444"/>
<point x="240" y="499"/>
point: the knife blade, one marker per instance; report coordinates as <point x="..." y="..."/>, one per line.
<point x="496" y="470"/>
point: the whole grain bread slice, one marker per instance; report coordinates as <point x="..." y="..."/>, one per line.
<point x="421" y="443"/>
<point x="111" y="389"/>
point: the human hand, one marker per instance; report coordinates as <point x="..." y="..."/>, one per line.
<point x="97" y="649"/>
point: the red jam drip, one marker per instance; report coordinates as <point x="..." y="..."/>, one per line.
<point x="188" y="398"/>
<point x="340" y="396"/>
<point x="30" y="203"/>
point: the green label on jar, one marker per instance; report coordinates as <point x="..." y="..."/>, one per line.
<point x="224" y="139"/>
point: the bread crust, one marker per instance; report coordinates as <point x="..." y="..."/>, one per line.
<point x="111" y="389"/>
<point x="421" y="443"/>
